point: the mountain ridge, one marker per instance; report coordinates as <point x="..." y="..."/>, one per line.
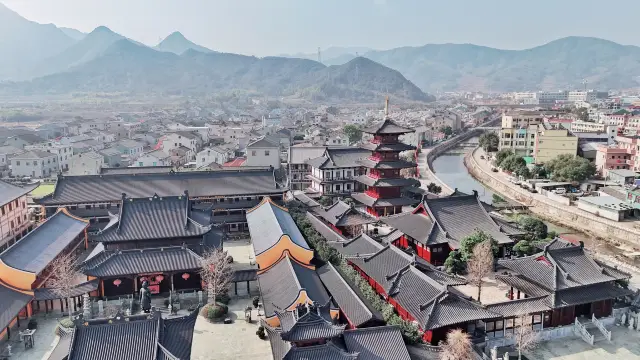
<point x="177" y="43"/>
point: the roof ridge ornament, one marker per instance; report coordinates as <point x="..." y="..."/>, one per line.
<point x="386" y="108"/>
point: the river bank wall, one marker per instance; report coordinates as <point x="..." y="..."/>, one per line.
<point x="549" y="210"/>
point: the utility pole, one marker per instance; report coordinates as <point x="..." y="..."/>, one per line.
<point x="319" y="55"/>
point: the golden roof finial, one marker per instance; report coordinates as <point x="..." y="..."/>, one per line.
<point x="386" y="107"/>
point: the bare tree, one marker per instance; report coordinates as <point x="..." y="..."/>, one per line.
<point x="480" y="264"/>
<point x="457" y="347"/>
<point x="63" y="277"/>
<point x="216" y="271"/>
<point x="523" y="334"/>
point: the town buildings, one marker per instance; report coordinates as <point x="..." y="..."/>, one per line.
<point x="552" y="140"/>
<point x="89" y="163"/>
<point x="15" y="221"/>
<point x="263" y="152"/>
<point x="35" y="163"/>
<point x="298" y="168"/>
<point x="336" y="170"/>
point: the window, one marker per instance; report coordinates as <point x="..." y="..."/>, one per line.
<point x="337" y="187"/>
<point x="253" y="153"/>
<point x="155" y="163"/>
<point x="266" y="153"/>
<point x="140" y="163"/>
<point x="18" y="163"/>
<point x="348" y="173"/>
<point x="87" y="207"/>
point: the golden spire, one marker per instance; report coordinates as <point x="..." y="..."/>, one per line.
<point x="386" y="107"/>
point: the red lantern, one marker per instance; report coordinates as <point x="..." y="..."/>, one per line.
<point x="117" y="282"/>
<point x="159" y="278"/>
<point x="142" y="279"/>
<point x="186" y="276"/>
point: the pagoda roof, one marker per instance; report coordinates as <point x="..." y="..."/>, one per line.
<point x="307" y="323"/>
<point x="382" y="182"/>
<point x="342" y="214"/>
<point x="387" y="147"/>
<point x="268" y="223"/>
<point x="339" y="158"/>
<point x="112" y="263"/>
<point x="373" y="202"/>
<point x="387" y="127"/>
<point x="386" y="164"/>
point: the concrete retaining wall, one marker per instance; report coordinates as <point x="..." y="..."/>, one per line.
<point x="548" y="209"/>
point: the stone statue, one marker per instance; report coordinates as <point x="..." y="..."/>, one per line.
<point x="623" y="321"/>
<point x="631" y="322"/>
<point x="145" y="297"/>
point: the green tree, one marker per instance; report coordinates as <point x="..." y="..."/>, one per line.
<point x="567" y="167"/>
<point x="433" y="188"/>
<point x="535" y="228"/>
<point x="489" y="141"/>
<point x="467" y="244"/>
<point x="502" y="155"/>
<point x="523" y="171"/>
<point x="582" y="113"/>
<point x="512" y="163"/>
<point x="525" y="248"/>
<point x="496" y="199"/>
<point x="447" y="130"/>
<point x="353" y="133"/>
<point x="325" y="201"/>
<point x="539" y="172"/>
<point x="454" y="263"/>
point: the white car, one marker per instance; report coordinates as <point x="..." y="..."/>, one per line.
<point x="560" y="191"/>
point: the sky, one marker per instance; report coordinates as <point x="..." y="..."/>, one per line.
<point x="272" y="27"/>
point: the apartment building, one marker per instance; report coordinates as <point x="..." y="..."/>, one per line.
<point x="211" y="155"/>
<point x="335" y="172"/>
<point x="64" y="152"/>
<point x="263" y="152"/>
<point x="14" y="214"/>
<point x="621" y="156"/>
<point x="552" y="140"/>
<point x="587" y="126"/>
<point x="519" y="130"/>
<point x="34" y="163"/>
<point x="298" y="168"/>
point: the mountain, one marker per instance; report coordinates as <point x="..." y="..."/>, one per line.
<point x="24" y="43"/>
<point x="178" y="44"/>
<point x="127" y="67"/>
<point x="335" y="55"/>
<point x="560" y="64"/>
<point x="73" y="33"/>
<point x="90" y="47"/>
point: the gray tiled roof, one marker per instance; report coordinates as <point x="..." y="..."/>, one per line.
<point x="384" y="264"/>
<point x="521" y="283"/>
<point x="300" y="154"/>
<point x="141" y="261"/>
<point x="263" y="142"/>
<point x="371" y="201"/>
<point x="451" y="309"/>
<point x="342" y="214"/>
<point x="339" y="158"/>
<point x="377" y="343"/>
<point x="10" y="192"/>
<point x="78" y="290"/>
<point x="520" y="306"/>
<point x="97" y="188"/>
<point x="417" y="226"/>
<point x="42" y="245"/>
<point x="387" y="147"/>
<point x="153" y="218"/>
<point x="177" y="335"/>
<point x="361" y="245"/>
<point x="306" y="200"/>
<point x="11" y="303"/>
<point x="348" y="301"/>
<point x="310" y="326"/>
<point x="369" y="181"/>
<point x="327" y="351"/>
<point x="461" y="216"/>
<point x="268" y="223"/>
<point x="588" y="294"/>
<point x="387" y="127"/>
<point x="136" y="170"/>
<point x="387" y="164"/>
<point x="279" y="347"/>
<point x="323" y="229"/>
<point x="282" y="283"/>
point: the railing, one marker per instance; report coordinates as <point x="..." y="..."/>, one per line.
<point x="600" y="326"/>
<point x="581" y="331"/>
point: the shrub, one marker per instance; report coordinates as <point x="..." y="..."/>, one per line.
<point x="260" y="333"/>
<point x="214" y="311"/>
<point x="223" y="298"/>
<point x="67" y="323"/>
<point x="256" y="301"/>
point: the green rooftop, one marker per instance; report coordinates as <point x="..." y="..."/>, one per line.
<point x="43" y="190"/>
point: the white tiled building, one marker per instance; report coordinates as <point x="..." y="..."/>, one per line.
<point x="88" y="163"/>
<point x="34" y="163"/>
<point x="211" y="155"/>
<point x="263" y="152"/>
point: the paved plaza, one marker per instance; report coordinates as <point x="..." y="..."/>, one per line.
<point x="236" y="341"/>
<point x="625" y="345"/>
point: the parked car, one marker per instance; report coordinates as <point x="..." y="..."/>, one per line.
<point x="560" y="191"/>
<point x="494" y="169"/>
<point x="482" y="157"/>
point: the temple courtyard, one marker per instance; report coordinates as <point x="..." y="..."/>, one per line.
<point x="624" y="346"/>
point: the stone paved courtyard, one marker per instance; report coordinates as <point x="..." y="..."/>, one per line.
<point x="237" y="341"/>
<point x="44" y="339"/>
<point x="625" y="345"/>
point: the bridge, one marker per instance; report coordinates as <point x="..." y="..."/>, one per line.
<point x="488" y="128"/>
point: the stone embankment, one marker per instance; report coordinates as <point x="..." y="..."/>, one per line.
<point x="549" y="210"/>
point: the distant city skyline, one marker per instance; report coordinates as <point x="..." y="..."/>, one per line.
<point x="272" y="27"/>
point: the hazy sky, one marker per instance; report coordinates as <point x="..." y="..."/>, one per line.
<point x="269" y="27"/>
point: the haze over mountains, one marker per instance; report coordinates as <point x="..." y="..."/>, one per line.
<point x="44" y="59"/>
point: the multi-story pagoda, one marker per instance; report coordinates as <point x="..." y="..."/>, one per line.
<point x="383" y="180"/>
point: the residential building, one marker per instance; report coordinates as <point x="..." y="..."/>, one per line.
<point x="613" y="157"/>
<point x="153" y="158"/>
<point x="22" y="140"/>
<point x="88" y="163"/>
<point x="553" y="140"/>
<point x="336" y="140"/>
<point x="181" y="156"/>
<point x="519" y="131"/>
<point x="270" y="120"/>
<point x="298" y="167"/>
<point x="263" y="152"/>
<point x="336" y="170"/>
<point x="64" y="152"/>
<point x="6" y="153"/>
<point x="113" y="158"/>
<point x="14" y="214"/>
<point x="131" y="148"/>
<point x="210" y="155"/>
<point x="181" y="138"/>
<point x="444" y="118"/>
<point x="35" y="163"/>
